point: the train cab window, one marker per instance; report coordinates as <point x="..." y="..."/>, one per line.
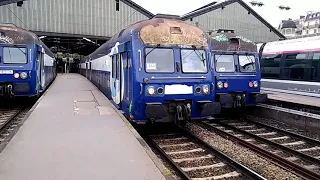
<point x="270" y="66"/>
<point x="14" y="55"/>
<point x="159" y="60"/>
<point x="247" y="63"/>
<point x="224" y="63"/>
<point x="193" y="61"/>
<point x="297" y="66"/>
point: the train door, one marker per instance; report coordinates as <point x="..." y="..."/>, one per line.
<point x="86" y="70"/>
<point x="40" y="71"/>
<point x="43" y="75"/>
<point x="119" y="65"/>
<point x="38" y="81"/>
<point x="90" y="66"/>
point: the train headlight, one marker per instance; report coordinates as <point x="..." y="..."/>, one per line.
<point x="205" y="89"/>
<point x="255" y="84"/>
<point x="23" y="75"/>
<point x="220" y="85"/>
<point x="151" y="90"/>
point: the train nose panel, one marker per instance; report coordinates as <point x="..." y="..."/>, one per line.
<point x="260" y="98"/>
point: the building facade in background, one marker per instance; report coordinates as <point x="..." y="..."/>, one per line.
<point x="305" y="26"/>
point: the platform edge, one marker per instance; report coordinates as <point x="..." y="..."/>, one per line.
<point x="162" y="168"/>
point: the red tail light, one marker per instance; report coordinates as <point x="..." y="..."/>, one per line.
<point x="250" y="84"/>
<point x="225" y="85"/>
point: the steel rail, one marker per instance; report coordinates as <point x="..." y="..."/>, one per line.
<point x="10" y="118"/>
<point x="305" y="138"/>
<point x="243" y="169"/>
<point x="301" y="171"/>
<point x="302" y="155"/>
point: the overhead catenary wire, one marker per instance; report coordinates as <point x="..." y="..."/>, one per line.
<point x="7" y="6"/>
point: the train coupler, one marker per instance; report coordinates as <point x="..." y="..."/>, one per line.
<point x="183" y="113"/>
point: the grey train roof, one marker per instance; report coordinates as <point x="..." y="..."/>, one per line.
<point x="16" y="35"/>
<point x="152" y="31"/>
<point x="224" y="42"/>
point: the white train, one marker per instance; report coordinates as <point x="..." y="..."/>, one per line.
<point x="291" y="66"/>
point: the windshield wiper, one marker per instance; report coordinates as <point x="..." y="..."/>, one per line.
<point x="19" y="49"/>
<point x="152" y="50"/>
<point x="198" y="54"/>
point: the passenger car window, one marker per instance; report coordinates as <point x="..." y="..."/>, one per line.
<point x="297" y="66"/>
<point x="270" y="66"/>
<point x="13" y="55"/>
<point x="224" y="63"/>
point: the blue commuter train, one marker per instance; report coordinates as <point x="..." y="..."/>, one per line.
<point x="27" y="66"/>
<point x="156" y="70"/>
<point x="236" y="68"/>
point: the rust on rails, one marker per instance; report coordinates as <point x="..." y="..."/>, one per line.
<point x="301" y="171"/>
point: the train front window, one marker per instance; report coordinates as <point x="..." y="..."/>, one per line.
<point x="14" y="55"/>
<point x="193" y="61"/>
<point x="224" y="63"/>
<point x="247" y="63"/>
<point x="159" y="60"/>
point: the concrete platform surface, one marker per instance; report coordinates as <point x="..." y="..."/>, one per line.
<point x="293" y="98"/>
<point x="74" y="134"/>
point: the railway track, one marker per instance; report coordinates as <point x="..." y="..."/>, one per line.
<point x="7" y="115"/>
<point x="290" y="150"/>
<point x="196" y="160"/>
<point x="10" y="121"/>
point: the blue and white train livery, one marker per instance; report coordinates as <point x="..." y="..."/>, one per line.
<point x="236" y="70"/>
<point x="155" y="70"/>
<point x="27" y="66"/>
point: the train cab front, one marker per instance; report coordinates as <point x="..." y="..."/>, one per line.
<point x="15" y="83"/>
<point x="177" y="85"/>
<point x="15" y="72"/>
<point x="237" y="80"/>
<point x="179" y="102"/>
<point x="239" y="92"/>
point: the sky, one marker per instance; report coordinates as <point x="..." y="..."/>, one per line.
<point x="270" y="11"/>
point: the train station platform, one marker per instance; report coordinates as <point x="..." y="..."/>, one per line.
<point x="293" y="98"/>
<point x="75" y="134"/>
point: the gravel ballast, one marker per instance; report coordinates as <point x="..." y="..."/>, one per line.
<point x="241" y="154"/>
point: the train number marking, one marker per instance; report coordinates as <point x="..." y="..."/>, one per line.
<point x="152" y="66"/>
<point x="6" y="71"/>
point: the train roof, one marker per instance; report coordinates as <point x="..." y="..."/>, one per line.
<point x="16" y="35"/>
<point x="228" y="41"/>
<point x="293" y="45"/>
<point x="165" y="30"/>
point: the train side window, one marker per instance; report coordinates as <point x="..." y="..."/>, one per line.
<point x="270" y="66"/>
<point x="315" y="65"/>
<point x="296" y="66"/>
<point x="113" y="66"/>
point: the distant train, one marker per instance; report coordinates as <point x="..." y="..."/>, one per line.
<point x="236" y="69"/>
<point x="291" y="66"/>
<point x="27" y="66"/>
<point x="156" y="70"/>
